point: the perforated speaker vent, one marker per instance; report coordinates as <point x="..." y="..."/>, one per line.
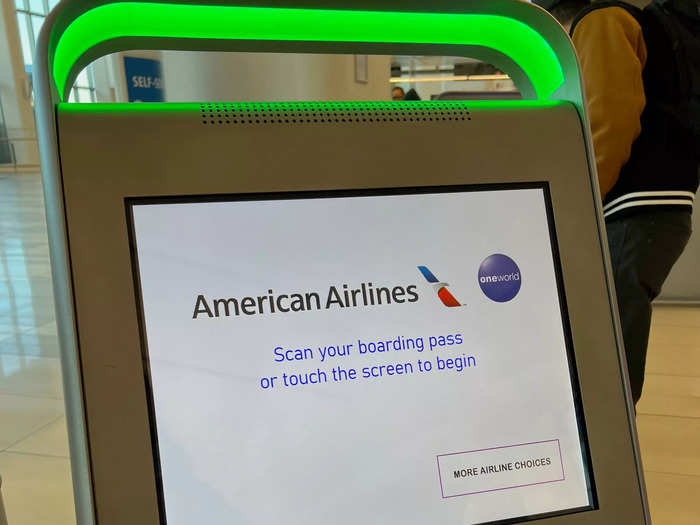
<point x="238" y="113"/>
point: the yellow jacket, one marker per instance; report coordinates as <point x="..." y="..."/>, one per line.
<point x="612" y="52"/>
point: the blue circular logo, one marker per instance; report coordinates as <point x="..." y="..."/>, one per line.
<point x="499" y="278"/>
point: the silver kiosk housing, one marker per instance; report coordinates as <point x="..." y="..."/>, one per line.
<point x="92" y="160"/>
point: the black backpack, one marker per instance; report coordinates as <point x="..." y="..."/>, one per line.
<point x="680" y="20"/>
<point x="671" y="31"/>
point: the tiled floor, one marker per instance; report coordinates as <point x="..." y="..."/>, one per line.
<point x="34" y="462"/>
<point x="668" y="417"/>
<point x="33" y="445"/>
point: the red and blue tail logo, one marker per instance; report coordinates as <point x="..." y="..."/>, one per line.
<point x="441" y="288"/>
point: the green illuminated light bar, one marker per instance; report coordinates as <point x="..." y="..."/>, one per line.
<point x="513" y="38"/>
<point x="331" y="109"/>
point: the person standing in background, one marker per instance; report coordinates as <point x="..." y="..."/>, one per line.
<point x="411" y="94"/>
<point x="641" y="71"/>
<point x="397" y="93"/>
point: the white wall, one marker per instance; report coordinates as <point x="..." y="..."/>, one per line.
<point x="195" y="77"/>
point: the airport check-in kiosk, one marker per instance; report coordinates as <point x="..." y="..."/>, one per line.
<point x="334" y="312"/>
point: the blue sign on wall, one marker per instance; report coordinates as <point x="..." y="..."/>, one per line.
<point x="143" y="79"/>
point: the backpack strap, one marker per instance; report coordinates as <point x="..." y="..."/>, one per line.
<point x="687" y="8"/>
<point x="659" y="9"/>
<point x="680" y="20"/>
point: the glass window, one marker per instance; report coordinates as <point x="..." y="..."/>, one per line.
<point x="30" y="17"/>
<point x="86" y="94"/>
<point x="37" y="6"/>
<point x="82" y="79"/>
<point x="37" y="22"/>
<point x="27" y="44"/>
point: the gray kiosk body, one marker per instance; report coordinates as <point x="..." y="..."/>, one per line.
<point x="252" y="304"/>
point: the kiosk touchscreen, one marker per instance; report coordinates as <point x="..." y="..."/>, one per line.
<point x="334" y="312"/>
<point x="346" y="379"/>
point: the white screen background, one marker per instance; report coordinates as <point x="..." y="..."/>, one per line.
<point x="360" y="452"/>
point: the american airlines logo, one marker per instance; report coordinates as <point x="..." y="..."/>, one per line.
<point x="440" y="288"/>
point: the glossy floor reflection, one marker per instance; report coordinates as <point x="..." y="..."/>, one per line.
<point x="668" y="417"/>
<point x="34" y="461"/>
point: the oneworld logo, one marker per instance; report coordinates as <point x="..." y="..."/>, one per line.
<point x="440" y="288"/>
<point x="499" y="278"/>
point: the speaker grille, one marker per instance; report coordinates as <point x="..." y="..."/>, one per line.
<point x="238" y="113"/>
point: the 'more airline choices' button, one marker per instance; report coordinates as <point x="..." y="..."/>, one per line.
<point x="500" y="468"/>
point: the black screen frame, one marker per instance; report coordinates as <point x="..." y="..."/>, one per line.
<point x="130" y="202"/>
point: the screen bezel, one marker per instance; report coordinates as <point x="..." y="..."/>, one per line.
<point x="131" y="202"/>
<point x="103" y="161"/>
